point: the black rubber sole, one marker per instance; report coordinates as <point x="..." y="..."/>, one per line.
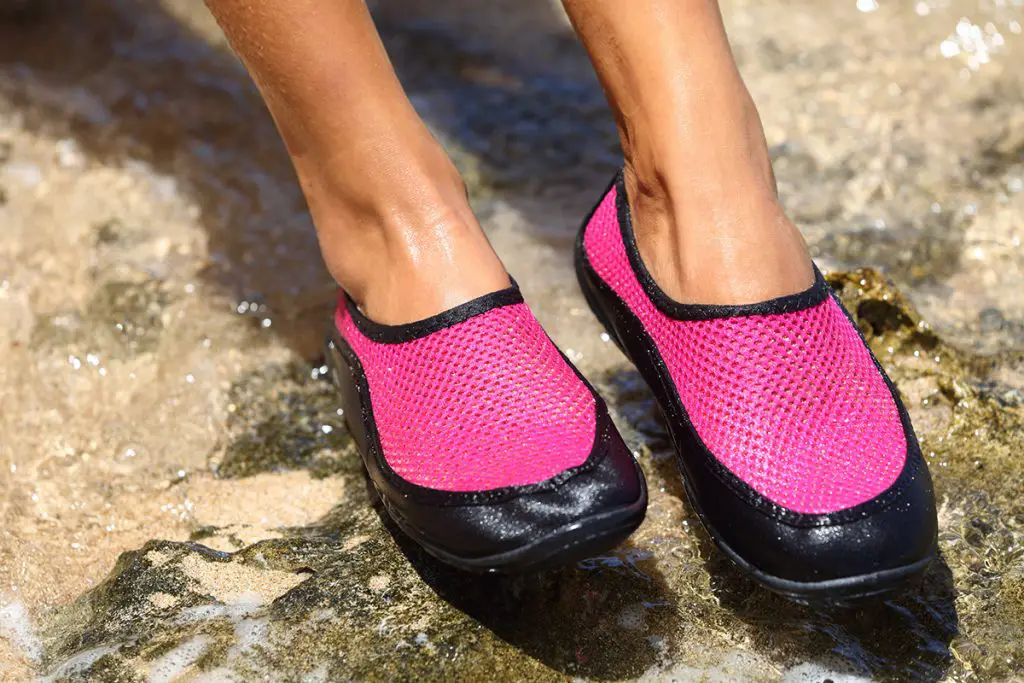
<point x="565" y="545"/>
<point x="855" y="588"/>
<point x="847" y="589"/>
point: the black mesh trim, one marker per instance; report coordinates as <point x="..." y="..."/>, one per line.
<point x="398" y="334"/>
<point x="808" y="298"/>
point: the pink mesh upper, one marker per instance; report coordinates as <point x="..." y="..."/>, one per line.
<point x="486" y="403"/>
<point x="791" y="403"/>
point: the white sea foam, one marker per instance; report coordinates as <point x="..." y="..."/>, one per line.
<point x="16" y="627"/>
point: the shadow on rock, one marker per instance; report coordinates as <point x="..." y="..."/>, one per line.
<point x="350" y="597"/>
<point x="608" y="617"/>
<point x="900" y="637"/>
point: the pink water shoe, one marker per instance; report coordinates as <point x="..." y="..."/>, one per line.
<point x="485" y="444"/>
<point x="795" y="449"/>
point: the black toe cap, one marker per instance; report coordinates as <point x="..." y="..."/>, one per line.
<point x="895" y="530"/>
<point x="607" y="489"/>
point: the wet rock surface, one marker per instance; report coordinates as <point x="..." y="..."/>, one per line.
<point x="178" y="496"/>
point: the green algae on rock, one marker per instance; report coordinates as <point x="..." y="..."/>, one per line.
<point x="284" y="417"/>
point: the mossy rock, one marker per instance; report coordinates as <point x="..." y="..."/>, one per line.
<point x="284" y="417"/>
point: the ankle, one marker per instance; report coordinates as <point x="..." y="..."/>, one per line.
<point x="441" y="261"/>
<point x="705" y="153"/>
<point x="715" y="243"/>
<point x="667" y="202"/>
<point x="407" y="250"/>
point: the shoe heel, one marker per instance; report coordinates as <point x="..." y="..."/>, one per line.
<point x="345" y="377"/>
<point x="590" y="294"/>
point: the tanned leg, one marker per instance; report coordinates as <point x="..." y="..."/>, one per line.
<point x="708" y="223"/>
<point x="390" y="210"/>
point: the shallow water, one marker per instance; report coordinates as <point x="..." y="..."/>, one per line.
<point x="163" y="303"/>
